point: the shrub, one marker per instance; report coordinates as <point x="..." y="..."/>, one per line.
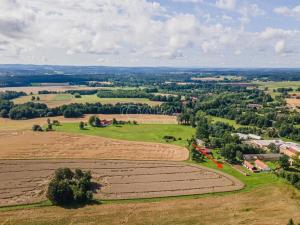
<point x="77" y="95"/>
<point x="81" y="125"/>
<point x="168" y="138"/>
<point x="68" y="187"/>
<point x="37" y="127"/>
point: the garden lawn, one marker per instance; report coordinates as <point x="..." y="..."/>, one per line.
<point x="141" y="132"/>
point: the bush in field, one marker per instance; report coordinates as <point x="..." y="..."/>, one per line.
<point x="81" y="125"/>
<point x="169" y="138"/>
<point x="69" y="187"/>
<point x="77" y="95"/>
<point x="37" y="127"/>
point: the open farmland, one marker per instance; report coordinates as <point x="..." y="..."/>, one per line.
<point x="7" y="124"/>
<point x="36" y="89"/>
<point x="141" y="132"/>
<point x="293" y="102"/>
<point x="54" y="100"/>
<point x="44" y="145"/>
<point x="25" y="181"/>
<point x="255" y="207"/>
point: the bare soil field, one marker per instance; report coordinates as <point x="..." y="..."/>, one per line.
<point x="25" y="181"/>
<point x="45" y="145"/>
<point x="293" y="102"/>
<point x="36" y="89"/>
<point x="7" y="124"/>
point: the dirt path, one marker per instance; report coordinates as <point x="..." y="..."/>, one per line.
<point x="25" y="181"/>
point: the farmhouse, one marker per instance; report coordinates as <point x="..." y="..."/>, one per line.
<point x="290" y="149"/>
<point x="248" y="136"/>
<point x="264" y="144"/>
<point x="261" y="165"/>
<point x="249" y="166"/>
<point x="268" y="157"/>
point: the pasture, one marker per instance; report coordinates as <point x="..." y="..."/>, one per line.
<point x="141" y="132"/>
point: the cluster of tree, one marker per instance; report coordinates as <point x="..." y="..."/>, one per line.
<point x="33" y="110"/>
<point x="8" y="95"/>
<point x="68" y="187"/>
<point x="45" y="92"/>
<point x="82" y="92"/>
<point x="165" y="98"/>
<point x="121" y="122"/>
<point x="123" y="94"/>
<point x="219" y="135"/>
<point x="195" y="154"/>
<point x="290" y="176"/>
<point x="49" y="127"/>
<point x="283" y="90"/>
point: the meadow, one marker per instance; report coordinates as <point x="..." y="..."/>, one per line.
<point x="140" y="132"/>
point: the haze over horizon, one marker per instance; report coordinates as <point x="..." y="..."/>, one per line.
<point x="168" y="33"/>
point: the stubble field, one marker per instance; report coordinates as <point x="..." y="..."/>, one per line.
<point x="44" y="145"/>
<point x="25" y="181"/>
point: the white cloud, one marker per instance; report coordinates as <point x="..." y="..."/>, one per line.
<point x="284" y="10"/>
<point x="134" y="31"/>
<point x="188" y="1"/>
<point x="270" y="33"/>
<point x="226" y="4"/>
<point x="279" y="46"/>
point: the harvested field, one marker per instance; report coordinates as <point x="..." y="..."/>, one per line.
<point x="7" y="124"/>
<point x="36" y="89"/>
<point x="44" y="145"/>
<point x="293" y="102"/>
<point x="55" y="100"/>
<point x="264" y="206"/>
<point x="25" y="181"/>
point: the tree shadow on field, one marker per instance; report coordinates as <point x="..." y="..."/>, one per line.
<point x="95" y="188"/>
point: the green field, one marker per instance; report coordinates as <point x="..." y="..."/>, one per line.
<point x="275" y="85"/>
<point x="215" y="119"/>
<point x="155" y="133"/>
<point x="141" y="132"/>
<point x="255" y="180"/>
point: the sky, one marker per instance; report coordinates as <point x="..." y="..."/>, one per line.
<point x="176" y="33"/>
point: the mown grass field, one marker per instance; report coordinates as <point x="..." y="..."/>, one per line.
<point x="215" y="119"/>
<point x="53" y="100"/>
<point x="140" y="132"/>
<point x="275" y="85"/>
